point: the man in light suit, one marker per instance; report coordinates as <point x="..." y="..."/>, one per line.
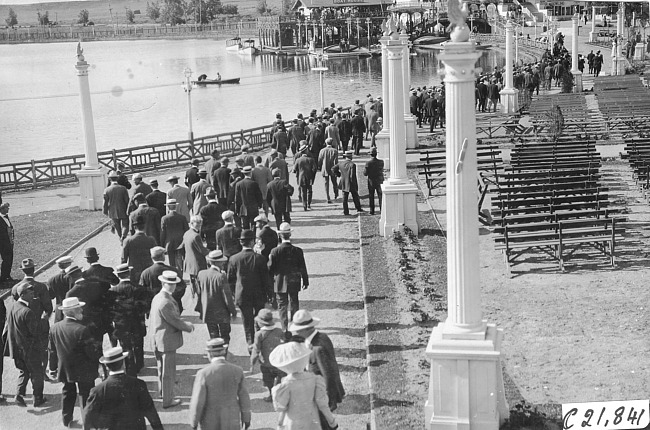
<point x="6" y="243"/>
<point x="181" y="195"/>
<point x="220" y="399"/>
<point x="248" y="199"/>
<point x="73" y="355"/>
<point x="322" y="360"/>
<point x="166" y="327"/>
<point x="116" y="202"/>
<point x="328" y="158"/>
<point x="198" y="192"/>
<point x="347" y="171"/>
<point x="195" y="253"/>
<point x="227" y="237"/>
<point x="172" y="228"/>
<point x="137" y="249"/>
<point x="287" y="266"/>
<point x="121" y="401"/>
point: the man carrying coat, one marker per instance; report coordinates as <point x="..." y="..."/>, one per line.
<point x="121" y="401"/>
<point x="220" y="399"/>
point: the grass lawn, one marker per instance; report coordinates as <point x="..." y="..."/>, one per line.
<point x="45" y="235"/>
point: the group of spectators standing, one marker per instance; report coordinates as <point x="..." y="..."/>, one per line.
<point x="428" y="105"/>
<point x="215" y="230"/>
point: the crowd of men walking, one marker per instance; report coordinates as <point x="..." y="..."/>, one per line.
<point x="215" y="231"/>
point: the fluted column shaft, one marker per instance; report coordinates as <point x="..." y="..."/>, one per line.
<point x="509" y="52"/>
<point x="395" y="51"/>
<point x="88" y="123"/>
<point x="406" y="73"/>
<point x="385" y="94"/>
<point x="574" y="43"/>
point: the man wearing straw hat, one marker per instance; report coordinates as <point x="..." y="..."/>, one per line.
<point x="217" y="305"/>
<point x="120" y="401"/>
<point x="181" y="195"/>
<point x="166" y="328"/>
<point x="287" y="266"/>
<point x="173" y="227"/>
<point x="23" y="344"/>
<point x="149" y="278"/>
<point x="220" y="399"/>
<point x="73" y="355"/>
<point x="322" y="360"/>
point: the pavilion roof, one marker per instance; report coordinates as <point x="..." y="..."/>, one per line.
<point x="339" y="3"/>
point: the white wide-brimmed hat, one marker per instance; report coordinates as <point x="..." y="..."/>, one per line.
<point x="302" y="320"/>
<point x="290" y="357"/>
<point x="113" y="354"/>
<point x="71" y="303"/>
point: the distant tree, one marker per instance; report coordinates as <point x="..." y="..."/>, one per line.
<point x="263" y="7"/>
<point x="286" y="7"/>
<point x="130" y="16"/>
<point x="83" y="17"/>
<point x="229" y="9"/>
<point x="173" y="12"/>
<point x="43" y="18"/>
<point x="12" y="19"/>
<point x="153" y="10"/>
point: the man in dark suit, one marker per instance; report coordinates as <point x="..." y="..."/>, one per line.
<point x="3" y="319"/>
<point x="150" y="216"/>
<point x="141" y="187"/>
<point x="166" y="328"/>
<point x="358" y="129"/>
<point x="249" y="278"/>
<point x="482" y="95"/>
<point x="266" y="237"/>
<point x="322" y="360"/>
<point x="120" y="401"/>
<point x="102" y="278"/>
<point x="156" y="199"/>
<point x="347" y="171"/>
<point x="227" y="237"/>
<point x="137" y="249"/>
<point x="129" y="304"/>
<point x="218" y="307"/>
<point x="73" y="355"/>
<point x="116" y="202"/>
<point x="221" y="181"/>
<point x="97" y="272"/>
<point x="278" y="198"/>
<point x="22" y="345"/>
<point x="195" y="253"/>
<point x="41" y="304"/>
<point x="6" y="243"/>
<point x="305" y="170"/>
<point x="173" y="227"/>
<point x="374" y="170"/>
<point x="248" y="198"/>
<point x="278" y="162"/>
<point x="192" y="174"/>
<point x="58" y="285"/>
<point x="95" y="295"/>
<point x="213" y="163"/>
<point x="287" y="266"/>
<point x="150" y="278"/>
<point x="212" y="221"/>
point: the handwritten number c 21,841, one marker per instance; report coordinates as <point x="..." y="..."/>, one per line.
<point x="633" y="417"/>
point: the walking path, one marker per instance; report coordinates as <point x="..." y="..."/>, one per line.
<point x="331" y="244"/>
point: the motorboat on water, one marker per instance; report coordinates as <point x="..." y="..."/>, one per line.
<point x="335" y="51"/>
<point x="248" y="47"/>
<point x="429" y="40"/>
<point x="233" y="44"/>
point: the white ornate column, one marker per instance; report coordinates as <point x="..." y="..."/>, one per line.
<point x="399" y="206"/>
<point x="577" y="74"/>
<point x="92" y="179"/>
<point x="466" y="382"/>
<point x="618" y="60"/>
<point x="509" y="94"/>
<point x="592" y="34"/>
<point x="410" y="120"/>
<point x="383" y="137"/>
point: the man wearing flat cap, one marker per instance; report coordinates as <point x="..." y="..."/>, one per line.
<point x="58" y="285"/>
<point x="212" y="221"/>
<point x="248" y="199"/>
<point x="120" y="401"/>
<point x="218" y="307"/>
<point x="181" y="195"/>
<point x="198" y="191"/>
<point x="150" y="216"/>
<point x="278" y="162"/>
<point x="166" y="328"/>
<point x="137" y="249"/>
<point x="73" y="356"/>
<point x="227" y="237"/>
<point x="279" y="198"/>
<point x="328" y="158"/>
<point x="247" y="156"/>
<point x="172" y="228"/>
<point x="151" y="282"/>
<point x="249" y="278"/>
<point x="156" y="198"/>
<point x="116" y="202"/>
<point x="23" y="333"/>
<point x="220" y="398"/>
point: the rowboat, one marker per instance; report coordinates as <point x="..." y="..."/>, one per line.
<point x="216" y="81"/>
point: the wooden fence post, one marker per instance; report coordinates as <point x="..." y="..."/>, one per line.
<point x="114" y="159"/>
<point x="33" y="174"/>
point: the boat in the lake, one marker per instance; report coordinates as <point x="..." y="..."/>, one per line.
<point x="429" y="40"/>
<point x="248" y="47"/>
<point x="335" y="51"/>
<point x="216" y="81"/>
<point x="233" y="44"/>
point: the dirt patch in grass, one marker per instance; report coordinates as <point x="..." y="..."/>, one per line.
<point x="45" y="235"/>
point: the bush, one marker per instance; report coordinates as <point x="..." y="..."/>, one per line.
<point x="83" y="17"/>
<point x="43" y="18"/>
<point x="12" y="19"/>
<point x="229" y="9"/>
<point x="130" y="16"/>
<point x="153" y="10"/>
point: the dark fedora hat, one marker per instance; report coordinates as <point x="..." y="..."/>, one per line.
<point x="247" y="235"/>
<point x="91" y="252"/>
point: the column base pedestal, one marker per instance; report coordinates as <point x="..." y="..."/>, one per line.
<point x="382" y="139"/>
<point x="593" y="36"/>
<point x="399" y="207"/>
<point x="639" y="52"/>
<point x="466" y="389"/>
<point x="510" y="100"/>
<point x="92" y="183"/>
<point x="411" y="131"/>
<point x="577" y="81"/>
<point x="618" y="66"/>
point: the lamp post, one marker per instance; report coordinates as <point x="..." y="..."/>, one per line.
<point x="358" y="31"/>
<point x="368" y="26"/>
<point x="322" y="24"/>
<point x="349" y="21"/>
<point x="188" y="89"/>
<point x="320" y="69"/>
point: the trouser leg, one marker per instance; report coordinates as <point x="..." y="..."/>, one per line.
<point x="346" y="209"/>
<point x="304" y="193"/>
<point x="7" y="256"/>
<point x="68" y="399"/>
<point x="327" y="187"/>
<point x="379" y="194"/>
<point x="371" y="197"/>
<point x="224" y="331"/>
<point x="138" y="352"/>
<point x="310" y="194"/>
<point x="248" y="315"/>
<point x="23" y="376"/>
<point x="294" y="304"/>
<point x="355" y="198"/>
<point x="335" y="186"/>
<point x="84" y="392"/>
<point x="278" y="219"/>
<point x="283" y="302"/>
<point x="211" y="239"/>
<point x="168" y="377"/>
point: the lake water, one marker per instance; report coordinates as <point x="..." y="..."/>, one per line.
<point x="138" y="99"/>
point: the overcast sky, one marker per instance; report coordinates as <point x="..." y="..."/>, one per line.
<point x="10" y="2"/>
